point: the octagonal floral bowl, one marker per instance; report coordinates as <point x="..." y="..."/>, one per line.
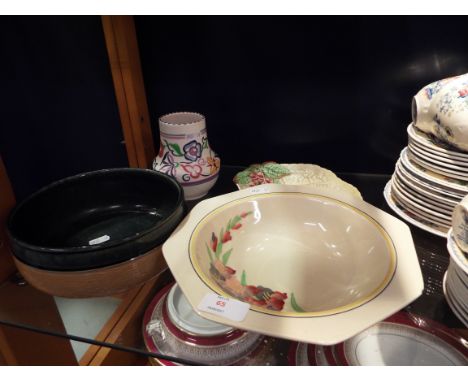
<point x="314" y="265"/>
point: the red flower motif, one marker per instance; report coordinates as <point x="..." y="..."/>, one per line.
<point x="161" y="149"/>
<point x="229" y="270"/>
<point x="254" y="301"/>
<point x="275" y="304"/>
<point x="237" y="226"/>
<point x="214" y="242"/>
<point x="243" y="214"/>
<point x="253" y="290"/>
<point x="279" y="295"/>
<point x="463" y="92"/>
<point x="259" y="178"/>
<point x="226" y="237"/>
<point x="193" y="170"/>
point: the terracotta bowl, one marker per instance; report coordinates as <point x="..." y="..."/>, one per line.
<point x="99" y="282"/>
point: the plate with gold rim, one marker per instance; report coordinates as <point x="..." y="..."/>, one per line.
<point x="286" y="251"/>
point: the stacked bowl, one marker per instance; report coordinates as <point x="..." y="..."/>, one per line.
<point x="173" y="329"/>
<point x="95" y="234"/>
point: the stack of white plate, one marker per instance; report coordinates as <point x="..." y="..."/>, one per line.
<point x="430" y="178"/>
<point x="456" y="280"/>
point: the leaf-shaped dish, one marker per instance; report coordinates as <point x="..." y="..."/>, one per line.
<point x="296" y="174"/>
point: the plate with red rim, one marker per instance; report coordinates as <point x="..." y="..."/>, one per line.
<point x="173" y="342"/>
<point x="302" y="354"/>
<point x="404" y="339"/>
<point x="411" y="217"/>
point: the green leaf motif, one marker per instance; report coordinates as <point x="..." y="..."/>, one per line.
<point x="243" y="177"/>
<point x="219" y="247"/>
<point x="209" y="253"/>
<point x="274" y="171"/>
<point x="225" y="257"/>
<point x="244" y="279"/>
<point x="235" y="220"/>
<point x="175" y="148"/>
<point x="229" y="225"/>
<point x="295" y="305"/>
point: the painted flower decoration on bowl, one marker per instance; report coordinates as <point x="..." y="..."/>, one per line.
<point x="226" y="277"/>
<point x="293" y="255"/>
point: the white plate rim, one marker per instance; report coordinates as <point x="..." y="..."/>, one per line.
<point x="409" y="219"/>
<point x="425" y="213"/>
<point x="437" y="169"/>
<point x="455" y="252"/>
<point x="439" y="190"/>
<point x="426" y="202"/>
<point x="438" y="156"/>
<point x="412" y="332"/>
<point x="433" y="197"/>
<point x="416" y="134"/>
<point x="451" y="185"/>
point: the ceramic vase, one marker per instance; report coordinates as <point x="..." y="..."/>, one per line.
<point x="185" y="153"/>
<point x="441" y="109"/>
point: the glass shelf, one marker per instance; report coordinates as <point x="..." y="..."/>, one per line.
<point x="94" y="315"/>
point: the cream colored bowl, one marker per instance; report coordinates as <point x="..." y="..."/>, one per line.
<point x="314" y="265"/>
<point x="313" y="254"/>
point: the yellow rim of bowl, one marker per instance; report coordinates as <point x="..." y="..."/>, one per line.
<point x="216" y="288"/>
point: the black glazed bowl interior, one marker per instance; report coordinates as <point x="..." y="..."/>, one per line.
<point x="96" y="219"/>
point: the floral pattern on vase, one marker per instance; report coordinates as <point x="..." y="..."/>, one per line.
<point x="226" y="277"/>
<point x="185" y="154"/>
